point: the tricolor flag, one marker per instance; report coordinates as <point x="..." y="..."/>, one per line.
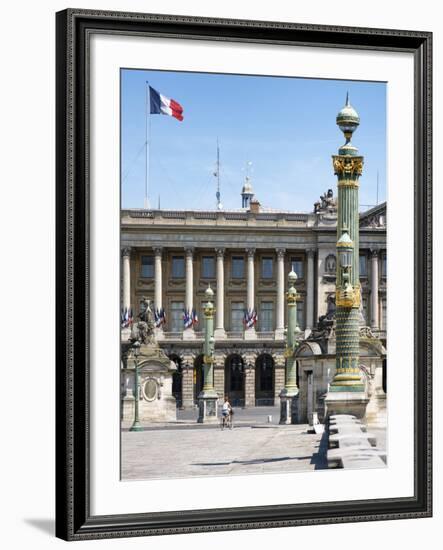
<point x="162" y="105"/>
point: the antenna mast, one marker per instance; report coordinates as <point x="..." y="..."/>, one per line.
<point x="219" y="205"/>
<point x="376" y="202"/>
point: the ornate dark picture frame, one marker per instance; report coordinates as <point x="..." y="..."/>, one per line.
<point x="74" y="30"/>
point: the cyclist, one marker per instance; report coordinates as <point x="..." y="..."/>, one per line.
<point x="226" y="410"/>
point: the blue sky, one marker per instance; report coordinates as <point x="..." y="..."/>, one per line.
<point x="284" y="126"/>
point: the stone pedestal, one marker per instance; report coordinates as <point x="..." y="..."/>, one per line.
<point x="250" y="334"/>
<point x="220" y="334"/>
<point x="207" y="407"/>
<point x="288" y="407"/>
<point x="189" y="334"/>
<point x="349" y="402"/>
<point x="156" y="402"/>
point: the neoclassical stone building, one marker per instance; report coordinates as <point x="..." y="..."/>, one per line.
<point x="170" y="257"/>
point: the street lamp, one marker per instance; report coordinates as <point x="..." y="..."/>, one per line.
<point x="289" y="394"/>
<point x="136" y="426"/>
<point x="345" y="290"/>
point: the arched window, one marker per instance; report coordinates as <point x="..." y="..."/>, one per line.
<point x="264" y="380"/>
<point x="198" y="376"/>
<point x="177" y="379"/>
<point x="235" y="379"/>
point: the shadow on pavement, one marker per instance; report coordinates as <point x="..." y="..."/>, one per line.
<point x="252" y="461"/>
<point x="319" y="459"/>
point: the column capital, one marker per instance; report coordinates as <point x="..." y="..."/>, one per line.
<point x="310" y="252"/>
<point x="220" y="252"/>
<point x="250" y="252"/>
<point x="280" y="252"/>
<point x="158" y="250"/>
<point x="189" y="250"/>
<point x="375" y="251"/>
<point x="126" y="251"/>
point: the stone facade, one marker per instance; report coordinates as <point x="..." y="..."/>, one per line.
<point x="170" y="257"/>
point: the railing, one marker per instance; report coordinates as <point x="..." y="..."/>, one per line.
<point x="236" y="334"/>
<point x="265" y="335"/>
<point x="230" y="335"/>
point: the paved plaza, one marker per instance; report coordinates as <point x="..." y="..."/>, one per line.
<point x="256" y="444"/>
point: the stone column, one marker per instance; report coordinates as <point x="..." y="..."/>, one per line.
<point x="279" y="375"/>
<point x="126" y="278"/>
<point x="158" y="293"/>
<point x="375" y="323"/>
<point x="250" y="333"/>
<point x="280" y="321"/>
<point x="250" y="384"/>
<point x="188" y="385"/>
<point x="220" y="296"/>
<point x="219" y="376"/>
<point x="189" y="333"/>
<point x="310" y="290"/>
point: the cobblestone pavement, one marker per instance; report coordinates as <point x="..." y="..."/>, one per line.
<point x="189" y="449"/>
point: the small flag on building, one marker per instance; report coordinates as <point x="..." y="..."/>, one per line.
<point x="162" y="105"/>
<point x="250" y="318"/>
<point x="187" y="319"/>
<point x="126" y="317"/>
<point x="194" y="317"/>
<point x="159" y="317"/>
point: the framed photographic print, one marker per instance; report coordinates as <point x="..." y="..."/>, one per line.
<point x="243" y="274"/>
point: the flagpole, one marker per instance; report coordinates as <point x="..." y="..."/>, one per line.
<point x="147" y="144"/>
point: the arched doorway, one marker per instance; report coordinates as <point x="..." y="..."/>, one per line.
<point x="264" y="380"/>
<point x="235" y="380"/>
<point x="198" y="376"/>
<point x="384" y="376"/>
<point x="177" y="380"/>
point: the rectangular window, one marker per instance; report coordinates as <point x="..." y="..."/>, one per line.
<point x="365" y="308"/>
<point x="267" y="268"/>
<point x="301" y="315"/>
<point x="383" y="266"/>
<point x="208" y="267"/>
<point x="147" y="266"/>
<point x="176" y="322"/>
<point x="363" y="265"/>
<point x="238" y="267"/>
<point x="237" y="314"/>
<point x="266" y="317"/>
<point x="178" y="267"/>
<point x="384" y="315"/>
<point x="297" y="266"/>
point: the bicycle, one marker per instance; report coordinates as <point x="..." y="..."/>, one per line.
<point x="226" y="421"/>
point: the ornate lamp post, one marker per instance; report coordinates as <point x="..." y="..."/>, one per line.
<point x="136" y="426"/>
<point x="289" y="394"/>
<point x="346" y="393"/>
<point x="207" y="399"/>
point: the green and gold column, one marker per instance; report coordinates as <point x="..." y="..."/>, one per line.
<point x="289" y="394"/>
<point x="346" y="393"/>
<point x="207" y="399"/>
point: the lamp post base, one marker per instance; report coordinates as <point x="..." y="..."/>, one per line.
<point x="289" y="404"/>
<point x="346" y="402"/>
<point x="207" y="407"/>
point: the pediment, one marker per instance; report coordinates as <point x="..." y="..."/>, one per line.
<point x="375" y="217"/>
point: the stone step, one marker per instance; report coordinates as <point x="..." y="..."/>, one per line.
<point x="356" y="457"/>
<point x="347" y="439"/>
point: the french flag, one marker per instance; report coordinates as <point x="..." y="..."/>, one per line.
<point x="162" y="105"/>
